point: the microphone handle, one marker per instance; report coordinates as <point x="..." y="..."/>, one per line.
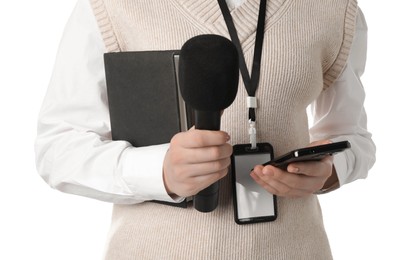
<point x="207" y="120"/>
<point x="207" y="199"/>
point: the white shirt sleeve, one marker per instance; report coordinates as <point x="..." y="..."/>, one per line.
<point x="339" y="114"/>
<point x="74" y="150"/>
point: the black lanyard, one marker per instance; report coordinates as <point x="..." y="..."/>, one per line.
<point x="251" y="83"/>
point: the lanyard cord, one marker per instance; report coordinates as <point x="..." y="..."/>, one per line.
<point x="252" y="83"/>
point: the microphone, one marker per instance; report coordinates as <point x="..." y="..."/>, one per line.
<point x="208" y="79"/>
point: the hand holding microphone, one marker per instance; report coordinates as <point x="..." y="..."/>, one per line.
<point x="208" y="78"/>
<point x="197" y="159"/>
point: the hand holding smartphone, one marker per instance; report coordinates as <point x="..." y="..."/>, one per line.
<point x="313" y="153"/>
<point x="252" y="203"/>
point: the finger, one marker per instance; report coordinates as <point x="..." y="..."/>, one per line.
<point x="285" y="181"/>
<point x="208" y="154"/>
<point x="278" y="188"/>
<point x="270" y="188"/>
<point x="210" y="178"/>
<point x="201" y="182"/>
<point x="207" y="168"/>
<point x="200" y="138"/>
<point x="192" y="186"/>
<point x="322" y="168"/>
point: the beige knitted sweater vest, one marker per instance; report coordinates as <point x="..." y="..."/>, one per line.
<point x="306" y="46"/>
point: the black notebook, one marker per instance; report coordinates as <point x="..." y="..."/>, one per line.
<point x="144" y="100"/>
<point x="145" y="104"/>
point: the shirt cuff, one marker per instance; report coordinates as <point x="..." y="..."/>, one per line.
<point x="341" y="166"/>
<point x="142" y="170"/>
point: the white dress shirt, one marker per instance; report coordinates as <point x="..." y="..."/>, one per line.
<point x="74" y="150"/>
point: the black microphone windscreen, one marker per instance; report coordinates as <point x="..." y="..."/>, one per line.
<point x="208" y="72"/>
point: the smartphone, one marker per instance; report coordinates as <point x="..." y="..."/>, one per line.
<point x="252" y="203"/>
<point x="314" y="153"/>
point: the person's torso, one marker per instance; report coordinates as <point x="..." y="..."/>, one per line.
<point x="306" y="45"/>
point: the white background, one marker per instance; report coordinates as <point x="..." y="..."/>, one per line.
<point x="365" y="220"/>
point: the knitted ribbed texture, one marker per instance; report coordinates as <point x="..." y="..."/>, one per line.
<point x="306" y="46"/>
<point x="104" y="24"/>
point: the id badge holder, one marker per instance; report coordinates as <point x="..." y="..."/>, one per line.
<point x="252" y="203"/>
